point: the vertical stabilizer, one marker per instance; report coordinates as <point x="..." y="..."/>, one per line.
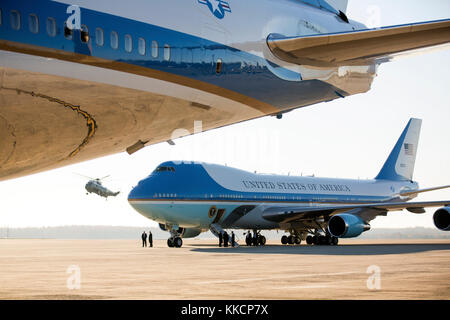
<point x="339" y="5"/>
<point x="400" y="164"/>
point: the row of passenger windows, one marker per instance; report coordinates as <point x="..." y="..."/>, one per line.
<point x="51" y="28"/>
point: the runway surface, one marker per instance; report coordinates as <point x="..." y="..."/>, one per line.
<point x="122" y="269"/>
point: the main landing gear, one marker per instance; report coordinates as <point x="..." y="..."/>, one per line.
<point x="315" y="238"/>
<point x="291" y="239"/>
<point x="256" y="239"/>
<point x="327" y="240"/>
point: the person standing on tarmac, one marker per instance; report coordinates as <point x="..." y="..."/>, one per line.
<point x="233" y="237"/>
<point x="255" y="238"/>
<point x="150" y="239"/>
<point x="220" y="239"/>
<point x="144" y="239"/>
<point x="226" y="237"/>
<point x="248" y="239"/>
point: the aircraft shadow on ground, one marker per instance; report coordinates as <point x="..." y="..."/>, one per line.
<point x="340" y="250"/>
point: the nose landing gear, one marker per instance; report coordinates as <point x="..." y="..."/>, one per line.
<point x="175" y="240"/>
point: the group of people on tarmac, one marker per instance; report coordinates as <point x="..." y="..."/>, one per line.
<point x="224" y="238"/>
<point x="144" y="239"/>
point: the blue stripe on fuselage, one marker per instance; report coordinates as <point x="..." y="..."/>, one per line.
<point x="191" y="56"/>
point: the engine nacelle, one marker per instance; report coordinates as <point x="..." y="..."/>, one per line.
<point x="346" y="225"/>
<point x="441" y="219"/>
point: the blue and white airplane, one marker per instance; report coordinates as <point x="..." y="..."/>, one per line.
<point x="82" y="79"/>
<point x="189" y="198"/>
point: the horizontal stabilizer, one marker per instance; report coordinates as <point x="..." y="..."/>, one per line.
<point x="362" y="47"/>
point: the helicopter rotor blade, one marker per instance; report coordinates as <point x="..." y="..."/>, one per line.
<point x="81" y="175"/>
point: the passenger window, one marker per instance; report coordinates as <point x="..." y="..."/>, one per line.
<point x="142" y="46"/>
<point x="33" y="23"/>
<point x="99" y="37"/>
<point x="128" y="43"/>
<point x="114" y="40"/>
<point x="154" y="49"/>
<point x="166" y="52"/>
<point x="15" y="19"/>
<point x="68" y="33"/>
<point x="84" y="34"/>
<point x="51" y="27"/>
<point x="219" y="66"/>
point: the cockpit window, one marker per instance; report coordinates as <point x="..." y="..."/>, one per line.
<point x="160" y="169"/>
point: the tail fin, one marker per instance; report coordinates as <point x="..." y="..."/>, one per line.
<point x="400" y="164"/>
<point x="339" y="5"/>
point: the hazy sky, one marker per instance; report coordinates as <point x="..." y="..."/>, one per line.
<point x="346" y="138"/>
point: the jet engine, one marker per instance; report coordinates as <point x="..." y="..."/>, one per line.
<point x="346" y="225"/>
<point x="441" y="219"/>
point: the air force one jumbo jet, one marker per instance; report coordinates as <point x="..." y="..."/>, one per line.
<point x="82" y="79"/>
<point x="189" y="198"/>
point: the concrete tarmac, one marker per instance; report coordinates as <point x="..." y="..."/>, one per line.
<point x="122" y="269"/>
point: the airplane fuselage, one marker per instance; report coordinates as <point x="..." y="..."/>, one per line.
<point x="135" y="71"/>
<point x="196" y="195"/>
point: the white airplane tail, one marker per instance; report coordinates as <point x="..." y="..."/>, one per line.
<point x="339" y="5"/>
<point x="400" y="164"/>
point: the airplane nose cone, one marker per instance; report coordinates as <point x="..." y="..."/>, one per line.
<point x="141" y="191"/>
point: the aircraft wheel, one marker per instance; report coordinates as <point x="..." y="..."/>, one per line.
<point x="178" y="242"/>
<point x="309" y="240"/>
<point x="322" y="240"/>
<point x="297" y="240"/>
<point x="284" y="240"/>
<point x="170" y="243"/>
<point x="315" y="240"/>
<point x="262" y="240"/>
<point x="291" y="240"/>
<point x="334" y="241"/>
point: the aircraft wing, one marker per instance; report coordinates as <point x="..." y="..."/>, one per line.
<point x="414" y="192"/>
<point x="289" y="214"/>
<point x="362" y="47"/>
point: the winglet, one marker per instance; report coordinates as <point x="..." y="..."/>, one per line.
<point x="400" y="163"/>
